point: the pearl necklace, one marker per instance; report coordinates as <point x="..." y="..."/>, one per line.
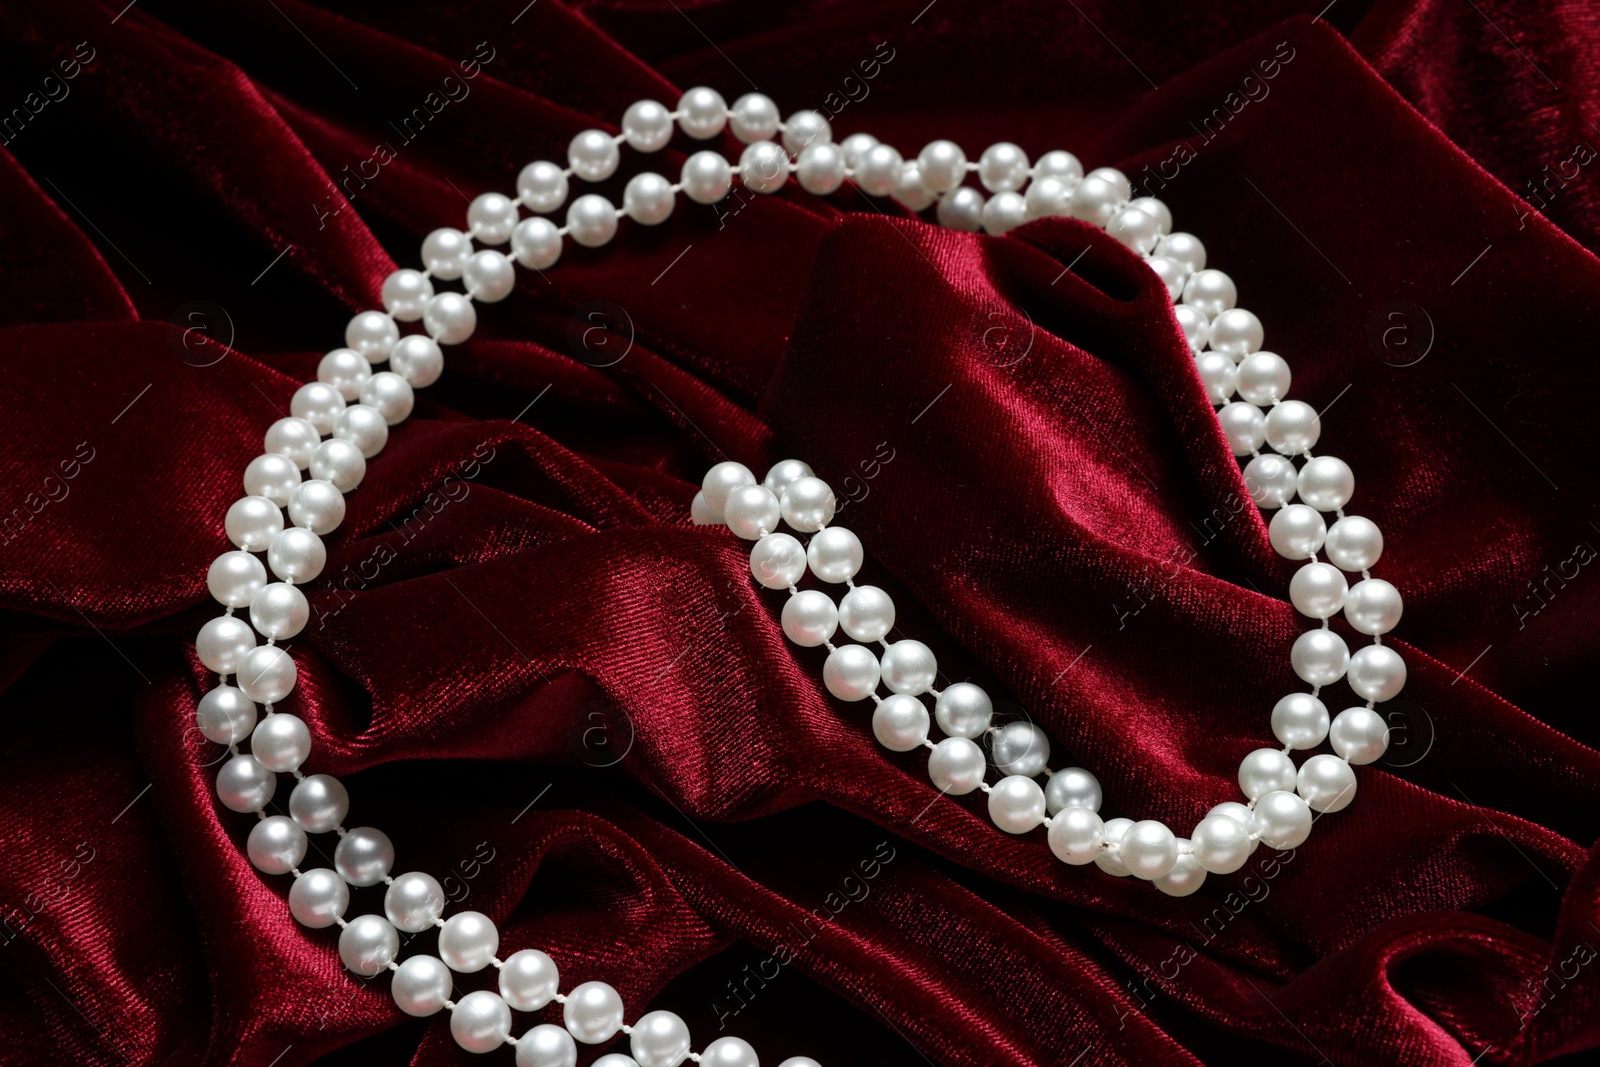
<point x="341" y="420"/>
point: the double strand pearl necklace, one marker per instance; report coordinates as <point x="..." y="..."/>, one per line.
<point x="341" y="420"/>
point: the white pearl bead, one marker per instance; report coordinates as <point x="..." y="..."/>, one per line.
<point x="593" y="155"/>
<point x="1020" y="748"/>
<point x="751" y="511"/>
<point x="1263" y="378"/>
<point x="364" y="857"/>
<point x="372" y="333"/>
<point x="222" y="643"/>
<point x="1373" y="606"/>
<point x="344" y="369"/>
<point x="542" y="186"/>
<point x="225" y="715"/>
<point x="593" y="1013"/>
<point x="878" y="171"/>
<point x="390" y="394"/>
<point x="529" y="979"/>
<point x="700" y="512"/>
<point x="778" y="561"/>
<point x="276" y="845"/>
<point x="1004" y="212"/>
<point x="1326" y="783"/>
<point x="468" y="941"/>
<point x="368" y="944"/>
<point x="1377" y="673"/>
<point x="1211" y="292"/>
<point x="1148" y="849"/>
<point x="1265" y="770"/>
<point x="294" y="438"/>
<point x="1318" y="590"/>
<point x="591" y="220"/>
<point x="1186" y="875"/>
<point x="1293" y="427"/>
<point x="1319" y="657"/>
<point x="850" y="672"/>
<point x="1074" y="835"/>
<point x="1354" y="543"/>
<point x="1300" y="720"/>
<point x="856" y="146"/>
<point x="961" y="210"/>
<point x="1271" y="480"/>
<point x="445" y="252"/>
<point x="1139" y="230"/>
<point x="491" y="217"/>
<point x="729" y="1052"/>
<point x="489" y="276"/>
<point x="1221" y="845"/>
<point x="450" y="317"/>
<point x="763" y="167"/>
<point x="363" y="427"/>
<point x="805" y="128"/>
<point x="1282" y="820"/>
<point x="1243" y="425"/>
<point x="956" y="765"/>
<point x="785" y="472"/>
<point x="244" y="785"/>
<point x="319" y="404"/>
<point x="1172" y="274"/>
<point x="1238" y="812"/>
<point x="1218" y="374"/>
<point x="536" y="243"/>
<point x="1003" y="167"/>
<point x="480" y="1021"/>
<point x="1185" y="248"/>
<point x="820" y="168"/>
<point x="418" y="359"/>
<point x="281" y="742"/>
<point x="808" y="504"/>
<point x="1196" y="327"/>
<point x="706" y="177"/>
<point x="753" y="117"/>
<point x="722" y="479"/>
<point x="421" y="985"/>
<point x="647" y="126"/>
<point x="900" y="722"/>
<point x="1109" y="859"/>
<point x="413" y="901"/>
<point x="1016" y="804"/>
<point x="1359" y="735"/>
<point x="252" y="522"/>
<point x="1236" y="333"/>
<point x="659" y="1039"/>
<point x="339" y="462"/>
<point x="1326" y="483"/>
<point x="404" y="293"/>
<point x="548" y="1045"/>
<point x="943" y="165"/>
<point x="235" y="577"/>
<point x="866" y="613"/>
<point x="1095" y="201"/>
<point x="1156" y="210"/>
<point x="909" y="667"/>
<point x="648" y="199"/>
<point x="1062" y="166"/>
<point x="962" y="709"/>
<point x="279" y="611"/>
<point x="810" y="618"/>
<point x="318" y="898"/>
<point x="319" y="803"/>
<point x="1297" y="531"/>
<point x="266" y="674"/>
<point x="835" y="554"/>
<point x="702" y="113"/>
<point x="1072" y="787"/>
<point x="297" y="555"/>
<point x="910" y="191"/>
<point x="1119" y="181"/>
<point x="1045" y="198"/>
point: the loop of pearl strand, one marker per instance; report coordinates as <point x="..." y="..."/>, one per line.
<point x="341" y="420"/>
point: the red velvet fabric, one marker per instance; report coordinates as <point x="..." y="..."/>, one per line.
<point x="576" y="709"/>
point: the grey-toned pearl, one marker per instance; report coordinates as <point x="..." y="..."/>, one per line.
<point x="1373" y="606"/>
<point x="754" y="117"/>
<point x="1222" y="844"/>
<point x="419" y="360"/>
<point x="450" y="318"/>
<point x="318" y="897"/>
<point x="878" y="171"/>
<point x="547" y="1045"/>
<point x="1172" y="275"/>
<point x="339" y="462"/>
<point x="1293" y="427"/>
<point x="468" y="941"/>
<point x="404" y="293"/>
<point x="866" y="613"/>
<point x="421" y="985"/>
<point x="1359" y="735"/>
<point x="1094" y="200"/>
<point x="962" y="709"/>
<point x="805" y="128"/>
<point x="1263" y="378"/>
<point x="1072" y="787"/>
<point x="729" y="1052"/>
<point x="1300" y="721"/>
<point x="956" y="765"/>
<point x="1148" y="849"/>
<point x="1271" y="480"/>
<point x="910" y="190"/>
<point x="319" y="803"/>
<point x="276" y="845"/>
<point x="345" y="369"/>
<point x="593" y="1013"/>
<point x="413" y="901"/>
<point x="593" y="155"/>
<point x="390" y="394"/>
<point x="1004" y="212"/>
<point x="266" y="674"/>
<point x="1139" y="230"/>
<point x="810" y="618"/>
<point x="492" y="216"/>
<point x="1236" y="333"/>
<point x="489" y="277"/>
<point x="961" y="209"/>
<point x="1265" y="770"/>
<point x="647" y="126"/>
<point x="1185" y="248"/>
<point x="1282" y="820"/>
<point x="445" y="252"/>
<point x="294" y="438"/>
<point x="1110" y="859"/>
<point x="364" y="856"/>
<point x="723" y="478"/>
<point x="1297" y="531"/>
<point x="1326" y="783"/>
<point x="943" y="165"/>
<point x="1016" y="804"/>
<point x="763" y="167"/>
<point x="648" y="199"/>
<point x="659" y="1039"/>
<point x="320" y="403"/>
<point x="1377" y="673"/>
<point x="835" y="554"/>
<point x="900" y="723"/>
<point x="225" y="715"/>
<point x="1047" y="198"/>
<point x="702" y="113"/>
<point x="536" y="243"/>
<point x="243" y="784"/>
<point x="1219" y="376"/>
<point x="480" y="1021"/>
<point x="252" y="522"/>
<point x="706" y="177"/>
<point x="542" y="186"/>
<point x="1318" y="590"/>
<point x="223" y="642"/>
<point x="908" y="667"/>
<point x="529" y="979"/>
<point x="318" y="506"/>
<point x="820" y="168"/>
<point x="1003" y="167"/>
<point x="808" y="504"/>
<point x="1186" y="875"/>
<point x="296" y="554"/>
<point x="1062" y="166"/>
<point x="235" y="577"/>
<point x="281" y="742"/>
<point x="1020" y="748"/>
<point x="1211" y="292"/>
<point x="1354" y="543"/>
<point x="279" y="611"/>
<point x="1075" y="834"/>
<point x="777" y="561"/>
<point x="851" y="672"/>
<point x="371" y="333"/>
<point x="1243" y="425"/>
<point x="1319" y="657"/>
<point x="751" y="511"/>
